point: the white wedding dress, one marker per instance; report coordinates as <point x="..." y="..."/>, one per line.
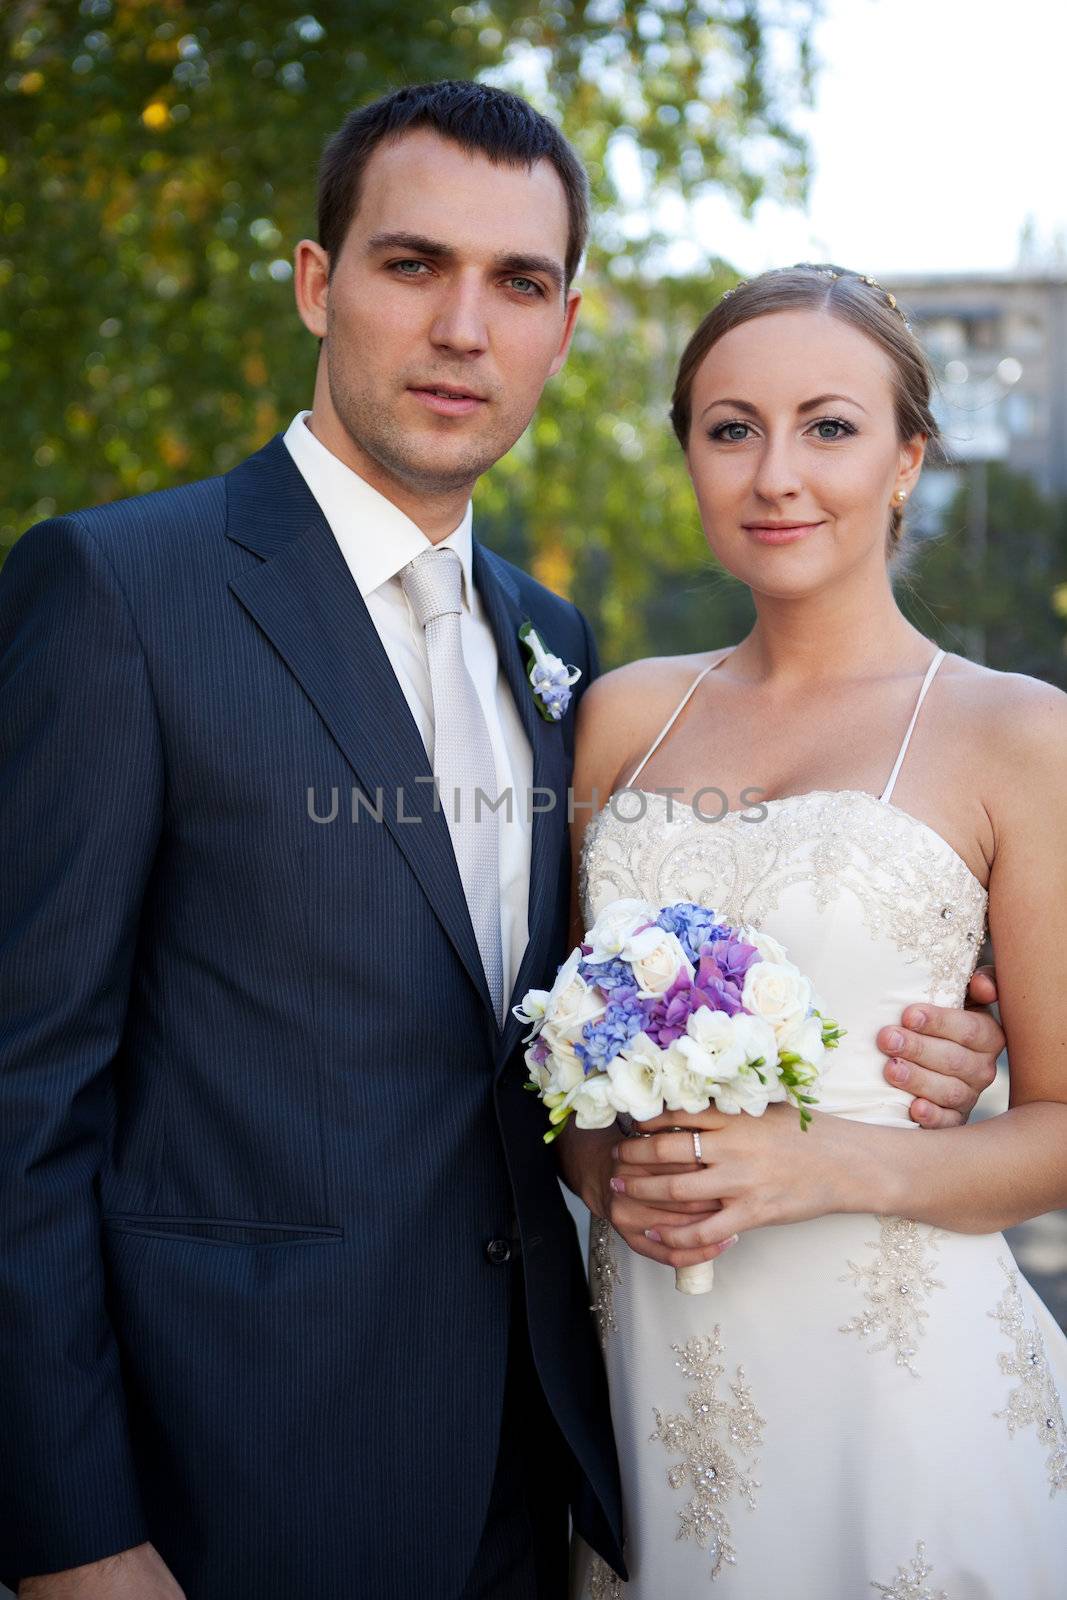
<point x="862" y="1405"/>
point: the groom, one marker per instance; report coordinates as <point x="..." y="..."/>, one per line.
<point x="290" y="1301"/>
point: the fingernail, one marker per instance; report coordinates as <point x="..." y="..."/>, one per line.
<point x="896" y="1039"/>
<point x="918" y="1019"/>
<point x="619" y="1185"/>
<point x="728" y="1244"/>
<point x="650" y="1233"/>
<point x="898" y="1072"/>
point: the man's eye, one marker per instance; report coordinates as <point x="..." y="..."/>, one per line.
<point x="525" y="286"/>
<point x="731" y="432"/>
<point x="409" y="269"/>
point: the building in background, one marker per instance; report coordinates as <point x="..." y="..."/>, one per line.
<point x="998" y="342"/>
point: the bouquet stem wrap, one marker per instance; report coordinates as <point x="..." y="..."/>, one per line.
<point x="699" y="1279"/>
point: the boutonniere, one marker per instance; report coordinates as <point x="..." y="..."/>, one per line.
<point x="550" y="676"/>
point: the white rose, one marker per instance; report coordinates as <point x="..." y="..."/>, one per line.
<point x="777" y="992"/>
<point x="592" y="1103"/>
<point x="614" y="927"/>
<point x="577" y="1004"/>
<point x="803" y="1038"/>
<point x="565" y="1070"/>
<point x="685" y="1087"/>
<point x="637" y="1079"/>
<point x="768" y="947"/>
<point x="657" y="958"/>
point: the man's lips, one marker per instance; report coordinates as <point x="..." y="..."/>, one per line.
<point x="779" y="532"/>
<point x="447" y="399"/>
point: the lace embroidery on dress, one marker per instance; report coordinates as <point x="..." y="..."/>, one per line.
<point x="603" y="1275"/>
<point x="895" y="1283"/>
<point x="911" y="885"/>
<point x="1035" y="1403"/>
<point x="604" y="1582"/>
<point x="709" y="1440"/>
<point x="911" y="1581"/>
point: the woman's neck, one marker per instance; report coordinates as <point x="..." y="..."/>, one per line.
<point x="848" y="631"/>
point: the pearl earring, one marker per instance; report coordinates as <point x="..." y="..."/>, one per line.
<point x="900" y="496"/>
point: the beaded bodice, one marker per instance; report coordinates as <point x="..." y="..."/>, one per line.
<point x="871" y="903"/>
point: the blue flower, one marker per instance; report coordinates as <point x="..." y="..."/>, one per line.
<point x="615" y="978"/>
<point x="549" y="676"/>
<point x="621" y="1022"/>
<point x="692" y="925"/>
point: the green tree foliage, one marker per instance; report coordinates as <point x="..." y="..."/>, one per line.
<point x="1012" y="594"/>
<point x="157" y="165"/>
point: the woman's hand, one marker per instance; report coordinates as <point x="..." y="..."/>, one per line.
<point x="588" y="1165"/>
<point x="756" y="1172"/>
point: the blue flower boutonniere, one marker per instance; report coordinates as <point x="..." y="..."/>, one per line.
<point x="550" y="677"/>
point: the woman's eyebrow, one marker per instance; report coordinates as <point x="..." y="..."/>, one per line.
<point x="824" y="399"/>
<point x="735" y="405"/>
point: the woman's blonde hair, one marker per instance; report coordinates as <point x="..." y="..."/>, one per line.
<point x="863" y="304"/>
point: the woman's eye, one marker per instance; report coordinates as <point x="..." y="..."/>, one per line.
<point x="732" y="432"/>
<point x="831" y="428"/>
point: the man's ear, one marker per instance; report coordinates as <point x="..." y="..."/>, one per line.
<point x="311" y="285"/>
<point x="570" y="317"/>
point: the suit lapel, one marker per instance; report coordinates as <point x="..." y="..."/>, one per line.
<point x="303" y="598"/>
<point x="503" y="607"/>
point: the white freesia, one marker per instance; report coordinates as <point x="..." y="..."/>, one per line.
<point x="613" y="929"/>
<point x="711" y="1045"/>
<point x="777" y="992"/>
<point x="685" y="1087"/>
<point x="592" y="1103"/>
<point x="803" y="1038"/>
<point x="637" y="1079"/>
<point x="752" y="1089"/>
<point x="531" y="1011"/>
<point x="656" y="958"/>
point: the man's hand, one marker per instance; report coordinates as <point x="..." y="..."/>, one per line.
<point x="136" y="1574"/>
<point x="946" y="1059"/>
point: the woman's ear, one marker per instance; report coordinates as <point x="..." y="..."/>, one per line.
<point x="912" y="455"/>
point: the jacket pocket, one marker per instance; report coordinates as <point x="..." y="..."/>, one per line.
<point x="221" y="1230"/>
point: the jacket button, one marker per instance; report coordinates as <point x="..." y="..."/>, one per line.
<point x="498" y="1251"/>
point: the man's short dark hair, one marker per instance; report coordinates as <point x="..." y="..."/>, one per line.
<point x="475" y="116"/>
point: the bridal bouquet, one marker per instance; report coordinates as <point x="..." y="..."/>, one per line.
<point x="673" y="1010"/>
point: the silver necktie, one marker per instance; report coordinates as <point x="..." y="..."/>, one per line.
<point x="463" y="761"/>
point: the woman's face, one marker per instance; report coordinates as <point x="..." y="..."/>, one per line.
<point x="793" y="451"/>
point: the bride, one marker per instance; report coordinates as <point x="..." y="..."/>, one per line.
<point x="870" y="1401"/>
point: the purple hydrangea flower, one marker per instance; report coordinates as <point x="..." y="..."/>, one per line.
<point x="733" y="957"/>
<point x="667" y="1015"/>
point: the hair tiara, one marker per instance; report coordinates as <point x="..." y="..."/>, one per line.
<point x="833" y="273"/>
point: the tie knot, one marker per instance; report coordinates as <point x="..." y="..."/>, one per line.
<point x="433" y="583"/>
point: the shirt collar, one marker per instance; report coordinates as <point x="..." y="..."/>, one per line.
<point x="376" y="539"/>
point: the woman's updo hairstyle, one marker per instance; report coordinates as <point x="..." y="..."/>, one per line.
<point x="855" y="299"/>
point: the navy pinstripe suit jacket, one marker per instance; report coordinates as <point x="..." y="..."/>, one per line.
<point x="257" y="1120"/>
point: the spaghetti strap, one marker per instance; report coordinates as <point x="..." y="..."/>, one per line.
<point x="679" y="708"/>
<point x="927" y="681"/>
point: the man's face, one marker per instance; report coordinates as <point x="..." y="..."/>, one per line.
<point x="445" y="313"/>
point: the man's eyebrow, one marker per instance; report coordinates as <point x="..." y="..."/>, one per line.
<point x="417" y="243"/>
<point x="520" y="265"/>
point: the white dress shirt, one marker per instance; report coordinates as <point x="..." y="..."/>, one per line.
<point x="377" y="541"/>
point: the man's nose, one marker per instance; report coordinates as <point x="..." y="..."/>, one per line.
<point x="460" y="322"/>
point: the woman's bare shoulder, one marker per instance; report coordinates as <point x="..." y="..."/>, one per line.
<point x="1015" y="725"/>
<point x="623" y="710"/>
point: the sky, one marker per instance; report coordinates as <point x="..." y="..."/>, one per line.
<point x="939" y="127"/>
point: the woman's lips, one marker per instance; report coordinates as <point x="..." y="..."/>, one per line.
<point x="447" y="404"/>
<point x="781" y="532"/>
